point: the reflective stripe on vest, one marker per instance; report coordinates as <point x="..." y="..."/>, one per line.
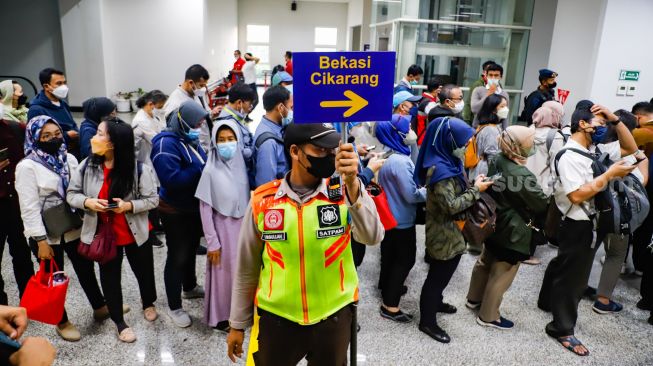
<point x="308" y="268"/>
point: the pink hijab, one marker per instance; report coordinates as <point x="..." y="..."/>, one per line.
<point x="549" y="115"/>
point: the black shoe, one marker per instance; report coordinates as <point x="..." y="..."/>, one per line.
<point x="447" y="308"/>
<point x="590" y="293"/>
<point x="644" y="305"/>
<point x="223" y="327"/>
<point x="358" y="327"/>
<point x="399" y="316"/>
<point x="156" y="242"/>
<point x="201" y="250"/>
<point x="436" y="333"/>
<point x="650" y="319"/>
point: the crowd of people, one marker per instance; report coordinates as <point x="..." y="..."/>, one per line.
<point x="286" y="210"/>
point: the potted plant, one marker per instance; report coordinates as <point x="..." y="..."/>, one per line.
<point x="134" y="97"/>
<point x="122" y="102"/>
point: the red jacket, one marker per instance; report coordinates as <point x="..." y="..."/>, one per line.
<point x="422" y="120"/>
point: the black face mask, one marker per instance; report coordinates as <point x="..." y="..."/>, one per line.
<point x="51" y="146"/>
<point x="552" y="86"/>
<point x="22" y="100"/>
<point x="321" y="167"/>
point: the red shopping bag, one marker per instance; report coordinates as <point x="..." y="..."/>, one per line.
<point x="382" y="207"/>
<point x="45" y="296"/>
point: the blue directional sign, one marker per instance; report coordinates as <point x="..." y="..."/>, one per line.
<point x="343" y="86"/>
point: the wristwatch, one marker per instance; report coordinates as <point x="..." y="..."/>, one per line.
<point x="39" y="238"/>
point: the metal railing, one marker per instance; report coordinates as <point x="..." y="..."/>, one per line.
<point x="14" y="77"/>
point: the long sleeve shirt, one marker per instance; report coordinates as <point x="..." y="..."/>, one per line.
<point x="366" y="228"/>
<point x="396" y="178"/>
<point x="270" y="157"/>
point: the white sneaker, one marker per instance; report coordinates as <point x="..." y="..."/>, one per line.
<point x="196" y="293"/>
<point x="180" y="317"/>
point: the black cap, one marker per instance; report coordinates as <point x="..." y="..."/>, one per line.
<point x="318" y="134"/>
<point x="546" y="73"/>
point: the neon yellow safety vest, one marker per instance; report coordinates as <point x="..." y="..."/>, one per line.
<point x="308" y="268"/>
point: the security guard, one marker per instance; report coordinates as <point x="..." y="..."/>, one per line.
<point x="294" y="261"/>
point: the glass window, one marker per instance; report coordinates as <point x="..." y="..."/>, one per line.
<point x="384" y="10"/>
<point x="326" y="36"/>
<point x="258" y="33"/>
<point x="325" y="49"/>
<point x="509" y="12"/>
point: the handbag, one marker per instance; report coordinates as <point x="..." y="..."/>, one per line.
<point x="45" y="294"/>
<point x="103" y="247"/>
<point x="382" y="207"/>
<point x="60" y="219"/>
<point x="478" y="222"/>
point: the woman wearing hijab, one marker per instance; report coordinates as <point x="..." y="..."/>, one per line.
<point x="223" y="192"/>
<point x="548" y="141"/>
<point x="398" y="247"/>
<point x="95" y="109"/>
<point x="179" y="160"/>
<point x="520" y="201"/>
<point x="41" y="182"/>
<point x="440" y="169"/>
<point x="12" y="102"/>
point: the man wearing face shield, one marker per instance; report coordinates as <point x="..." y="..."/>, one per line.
<point x="294" y="260"/>
<point x="565" y="280"/>
<point x="51" y="102"/>
<point x="193" y="88"/>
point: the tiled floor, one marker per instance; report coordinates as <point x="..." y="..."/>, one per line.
<point x="623" y="339"/>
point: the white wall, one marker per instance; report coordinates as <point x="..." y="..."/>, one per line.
<point x="83" y="48"/>
<point x="34" y="45"/>
<point x="576" y="36"/>
<point x="291" y="30"/>
<point x="354" y="18"/>
<point x="539" y="44"/>
<point x="220" y="36"/>
<point x="625" y="43"/>
<point x="149" y="44"/>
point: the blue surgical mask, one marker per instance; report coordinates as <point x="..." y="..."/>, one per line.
<point x="288" y="87"/>
<point x="599" y="134"/>
<point x="227" y="150"/>
<point x="193" y="134"/>
<point x="413" y="82"/>
<point x="285" y="121"/>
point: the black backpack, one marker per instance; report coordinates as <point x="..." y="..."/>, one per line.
<point x="623" y="205"/>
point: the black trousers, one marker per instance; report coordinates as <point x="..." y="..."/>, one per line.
<point x="282" y="342"/>
<point x="440" y="273"/>
<point x="84" y="269"/>
<point x="183" y="232"/>
<point x="358" y="251"/>
<point x="255" y="102"/>
<point x="141" y="262"/>
<point x="565" y="279"/>
<point x="398" y="250"/>
<point x="11" y="231"/>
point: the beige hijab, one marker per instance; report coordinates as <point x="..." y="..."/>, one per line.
<point x="549" y="115"/>
<point x="516" y="143"/>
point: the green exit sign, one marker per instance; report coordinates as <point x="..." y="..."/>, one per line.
<point x="630" y="75"/>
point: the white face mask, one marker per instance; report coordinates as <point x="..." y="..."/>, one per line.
<point x="503" y="112"/>
<point x="458" y="107"/>
<point x="158" y="113"/>
<point x="61" y="91"/>
<point x="411" y="138"/>
<point x="491" y="82"/>
<point x="199" y="92"/>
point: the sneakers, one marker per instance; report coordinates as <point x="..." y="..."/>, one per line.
<point x="127" y="335"/>
<point x="102" y="313"/>
<point x="471" y="305"/>
<point x="195" y="293"/>
<point x="68" y="332"/>
<point x="180" y="317"/>
<point x="399" y="316"/>
<point x="502" y="323"/>
<point x="156" y="242"/>
<point x="150" y="314"/>
<point x="611" y="307"/>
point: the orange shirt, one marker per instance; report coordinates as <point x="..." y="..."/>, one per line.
<point x="644" y="139"/>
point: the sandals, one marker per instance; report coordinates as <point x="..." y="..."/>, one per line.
<point x="127" y="335"/>
<point x="573" y="342"/>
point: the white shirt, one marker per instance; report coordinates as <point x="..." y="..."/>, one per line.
<point x="249" y="72"/>
<point x="37" y="188"/>
<point x="176" y="99"/>
<point x="145" y="128"/>
<point x="575" y="171"/>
